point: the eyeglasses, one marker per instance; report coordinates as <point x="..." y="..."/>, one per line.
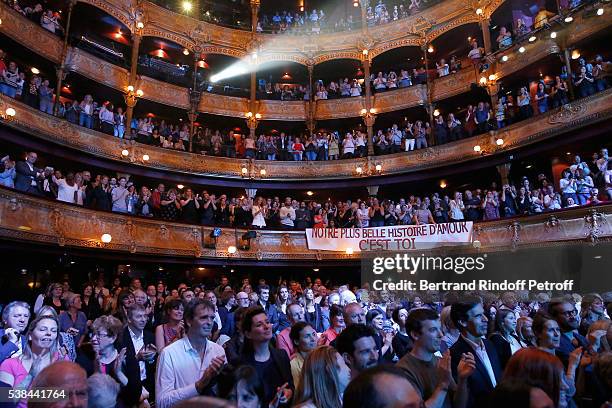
<point x="96" y="334"/>
<point x="569" y="313"/>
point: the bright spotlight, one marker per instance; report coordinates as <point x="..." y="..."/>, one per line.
<point x="187" y="6"/>
<point x="237" y="69"/>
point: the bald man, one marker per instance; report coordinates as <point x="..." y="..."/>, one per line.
<point x="382" y="386"/>
<point x="67" y="376"/>
<point x="354" y="314"/>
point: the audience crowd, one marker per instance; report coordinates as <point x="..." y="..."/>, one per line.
<point x="581" y="183"/>
<point x="307" y="344"/>
<point x="49" y="19"/>
<point x="589" y="78"/>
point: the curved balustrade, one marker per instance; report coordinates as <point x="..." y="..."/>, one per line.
<point x="48" y="45"/>
<point x="591" y="110"/>
<point x="308" y="49"/>
<point x="26" y="218"/>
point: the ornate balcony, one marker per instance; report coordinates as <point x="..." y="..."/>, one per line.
<point x="187" y="31"/>
<point x="48" y="45"/>
<point x="35" y="220"/>
<point x="549" y="126"/>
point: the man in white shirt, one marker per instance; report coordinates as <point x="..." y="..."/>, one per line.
<point x="188" y="367"/>
<point x="287" y="214"/>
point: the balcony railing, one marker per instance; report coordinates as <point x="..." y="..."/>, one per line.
<point x="37" y="220"/>
<point x="587" y="111"/>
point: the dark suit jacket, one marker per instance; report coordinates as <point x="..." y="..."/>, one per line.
<point x="129" y="395"/>
<point x="228" y="327"/>
<point x="479" y="383"/>
<point x="7" y="348"/>
<point x="24" y="176"/>
<point x="566" y="346"/>
<point x="504" y="352"/>
<point x="130" y="359"/>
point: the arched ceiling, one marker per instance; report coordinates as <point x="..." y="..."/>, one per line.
<point x="307" y="50"/>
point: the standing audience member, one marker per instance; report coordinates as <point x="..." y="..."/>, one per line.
<point x="430" y="375"/>
<point x="468" y="316"/>
<point x="304" y="339"/>
<point x="189" y="366"/>
<point x="140" y="349"/>
<point x="383" y="386"/>
<point x="272" y="365"/>
<point x="325" y="376"/>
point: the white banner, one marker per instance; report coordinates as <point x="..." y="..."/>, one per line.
<point x="396" y="238"/>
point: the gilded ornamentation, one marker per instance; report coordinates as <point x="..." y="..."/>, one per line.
<point x="163" y="232"/>
<point x="428" y="154"/>
<point x="568" y="113"/>
<point x="598" y="108"/>
<point x="43" y="220"/>
<point x="593" y="222"/>
<point x="515" y="229"/>
<point x="14" y="204"/>
<point x="56" y="218"/>
<point x="196" y="241"/>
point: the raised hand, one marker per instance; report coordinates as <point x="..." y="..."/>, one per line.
<point x="445" y="376"/>
<point x="466" y="366"/>
<point x="211" y="372"/>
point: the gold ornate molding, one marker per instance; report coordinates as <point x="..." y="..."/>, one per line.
<point x="188" y="32"/>
<point x="594" y="109"/>
<point x="36" y="220"/>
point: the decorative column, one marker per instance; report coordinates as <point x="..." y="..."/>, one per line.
<point x="372" y="190"/>
<point x="61" y="71"/>
<point x="194" y="99"/>
<point x="492" y="88"/>
<point x="136" y="36"/>
<point x="504" y="171"/>
<point x="429" y="107"/>
<point x="368" y="113"/>
<point x="486" y="34"/>
<point x="310" y="117"/>
<point x="253" y="116"/>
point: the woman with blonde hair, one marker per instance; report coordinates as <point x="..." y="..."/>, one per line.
<point x="325" y="376"/>
<point x="40" y="351"/>
<point x="592" y="309"/>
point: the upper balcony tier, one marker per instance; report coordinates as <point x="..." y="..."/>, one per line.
<point x="43" y="222"/>
<point x="213" y="39"/>
<point x="593" y="110"/>
<point x="416" y="30"/>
